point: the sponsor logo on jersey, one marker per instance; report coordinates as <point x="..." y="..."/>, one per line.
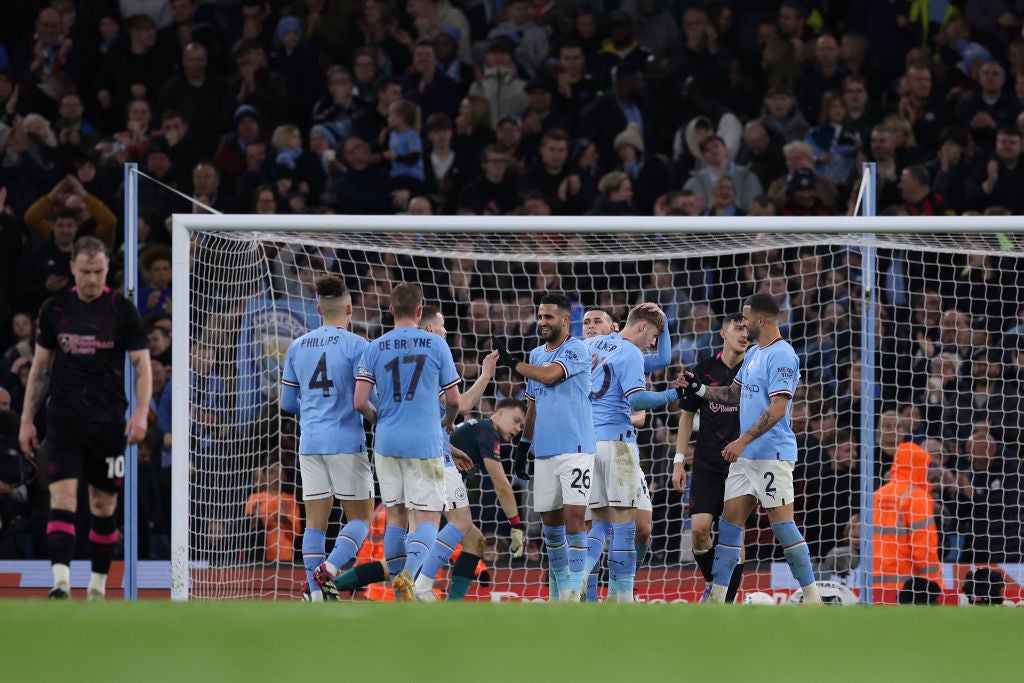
<point x="82" y="344"/>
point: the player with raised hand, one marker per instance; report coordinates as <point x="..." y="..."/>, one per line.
<point x="560" y="425"/>
<point x="81" y="341"/>
<point x="763" y="457"/>
<point x="317" y="385"/>
<point x="719" y="424"/>
<point x="411" y="366"/>
<point x="461" y="528"/>
<point x="619" y="388"/>
<point x="597" y="322"/>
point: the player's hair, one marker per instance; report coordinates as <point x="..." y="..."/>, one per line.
<point x="430" y="313"/>
<point x="598" y="309"/>
<point x="731" y="319"/>
<point x="405" y="299"/>
<point x="510" y="403"/>
<point x="330" y="286"/>
<point x="556" y="298"/>
<point x="762" y="303"/>
<point x="90" y="246"/>
<point x="645" y="315"/>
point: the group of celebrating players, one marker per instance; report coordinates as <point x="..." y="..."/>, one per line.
<point x="575" y="438"/>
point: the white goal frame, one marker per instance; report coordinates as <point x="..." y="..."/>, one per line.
<point x="183" y="225"/>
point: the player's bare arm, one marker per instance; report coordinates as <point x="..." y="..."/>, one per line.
<point x="683" y="435"/>
<point x="502" y="488"/>
<point x="35" y="394"/>
<point x="472" y="396"/>
<point x="138" y="423"/>
<point x="451" y="408"/>
<point x="727" y="396"/>
<point x="776" y="411"/>
<point x="462" y="461"/>
<point x="361" y="402"/>
<point x="531" y="420"/>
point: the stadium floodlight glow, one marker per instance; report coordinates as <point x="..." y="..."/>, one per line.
<point x="241" y="295"/>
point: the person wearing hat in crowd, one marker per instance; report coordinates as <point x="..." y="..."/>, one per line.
<point x="530" y="40"/>
<point x="607" y="116"/>
<point x="295" y="59"/>
<point x="649" y="173"/>
<point x="802" y="195"/>
<point x="253" y="83"/>
<point x="198" y="93"/>
<point x="984" y="586"/>
<point x="158" y="163"/>
<point x="250" y="126"/>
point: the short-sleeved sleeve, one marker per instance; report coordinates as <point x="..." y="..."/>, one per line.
<point x="632" y="378"/>
<point x="449" y="374"/>
<point x="574" y="358"/>
<point x="783" y="373"/>
<point x="132" y="332"/>
<point x="288" y="375"/>
<point x="364" y="368"/>
<point x="46" y="335"/>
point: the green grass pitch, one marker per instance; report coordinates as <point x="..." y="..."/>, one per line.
<point x="153" y="641"/>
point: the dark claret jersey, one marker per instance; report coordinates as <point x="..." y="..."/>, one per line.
<point x="719" y="424"/>
<point x="89" y="341"/>
<point x="478" y="439"/>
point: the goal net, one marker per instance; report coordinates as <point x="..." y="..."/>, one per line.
<point x="938" y="365"/>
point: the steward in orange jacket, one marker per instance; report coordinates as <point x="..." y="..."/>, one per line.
<point x="906" y="544"/>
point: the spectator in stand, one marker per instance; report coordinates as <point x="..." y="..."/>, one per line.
<point x="495" y="192"/>
<point x="656" y="29"/>
<point x="835" y="146"/>
<point x="802" y="195"/>
<point x="426" y="85"/>
<point x="650" y="174"/>
<point x="254" y="84"/>
<point x="918" y="198"/>
<point x="339" y="106"/>
<point x="717" y="164"/>
<point x="550" y="175"/>
<point x="800" y="155"/>
<point x="762" y="153"/>
<point x="365" y="187"/>
<point x="831" y="492"/>
<point x="952" y="168"/>
<point x="575" y="87"/>
<point x="156" y="265"/>
<point x="405" y="149"/>
<point x="445" y="171"/>
<point x="625" y="103"/>
<point x="448" y="62"/>
<point x="990" y="107"/>
<point x="530" y="40"/>
<point x="825" y="73"/>
<point x="296" y="171"/>
<point x="860" y="117"/>
<point x="498" y="84"/>
<point x="295" y="59"/>
<point x="508" y="137"/>
<point x="206" y="189"/>
<point x="74" y="133"/>
<point x="540" y="116"/>
<point x="1000" y="180"/>
<point x="723" y="199"/>
<point x="430" y="16"/>
<point x="272" y="510"/>
<point x="616" y="196"/>
<point x="365" y="73"/>
<point x="198" y="93"/>
<point x="30" y="149"/>
<point x="90" y="213"/>
<point x="991" y="484"/>
<point x="923" y="107"/>
<point x="883" y="152"/>
<point x="250" y="126"/>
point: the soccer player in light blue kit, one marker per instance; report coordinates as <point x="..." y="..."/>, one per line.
<point x="619" y="388"/>
<point x="560" y="425"/>
<point x="410" y="366"/>
<point x="317" y="386"/>
<point x="764" y="455"/>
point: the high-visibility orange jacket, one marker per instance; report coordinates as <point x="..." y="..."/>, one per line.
<point x="373" y="551"/>
<point x="906" y="544"/>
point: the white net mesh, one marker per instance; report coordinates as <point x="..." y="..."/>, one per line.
<point x="948" y="367"/>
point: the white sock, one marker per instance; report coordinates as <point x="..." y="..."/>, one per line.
<point x="423" y="583"/>
<point x="718" y="593"/>
<point x="316" y="595"/>
<point x="624" y="597"/>
<point x="331" y="569"/>
<point x="98" y="582"/>
<point x="61" y="576"/>
<point x="811" y="594"/>
<point x="568" y="596"/>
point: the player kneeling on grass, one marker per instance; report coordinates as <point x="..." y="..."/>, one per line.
<point x="764" y="455"/>
<point x="318" y="383"/>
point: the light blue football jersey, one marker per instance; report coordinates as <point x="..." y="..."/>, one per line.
<point x="408" y="366"/>
<point x="321" y="364"/>
<point x="768" y="370"/>
<point x="564" y="422"/>
<point x="618" y="371"/>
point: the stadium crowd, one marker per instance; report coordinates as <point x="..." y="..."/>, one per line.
<point x="549" y="107"/>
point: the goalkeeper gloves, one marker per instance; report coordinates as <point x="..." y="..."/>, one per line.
<point x="506" y="358"/>
<point x="515" y="545"/>
<point x="521" y="460"/>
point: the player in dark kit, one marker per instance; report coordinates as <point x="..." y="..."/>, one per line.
<point x="82" y="337"/>
<point x="719" y="424"/>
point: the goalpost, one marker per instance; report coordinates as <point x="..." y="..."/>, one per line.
<point x="243" y="292"/>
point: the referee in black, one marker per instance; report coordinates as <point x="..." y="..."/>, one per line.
<point x="83" y="334"/>
<point x="719" y="425"/>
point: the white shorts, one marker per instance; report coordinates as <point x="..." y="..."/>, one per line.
<point x="645" y="493"/>
<point x="416" y="484"/>
<point x="562" y="480"/>
<point x="770" y="481"/>
<point x="346" y="476"/>
<point x="454" y="489"/>
<point x="617" y="475"/>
